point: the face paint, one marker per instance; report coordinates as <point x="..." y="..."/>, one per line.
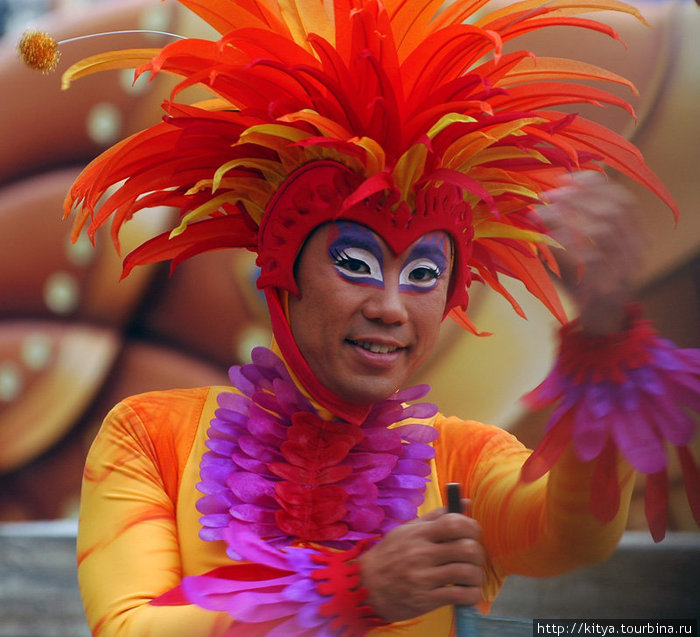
<point x="425" y="264"/>
<point x="356" y="254"/>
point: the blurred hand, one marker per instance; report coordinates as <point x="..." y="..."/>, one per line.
<point x="589" y="216"/>
<point x="434" y="561"/>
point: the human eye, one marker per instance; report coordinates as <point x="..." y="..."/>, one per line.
<point x="356" y="263"/>
<point x="420" y="273"/>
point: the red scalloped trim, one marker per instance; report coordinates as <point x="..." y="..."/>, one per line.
<point x="326" y="190"/>
<point x="312" y="505"/>
<point x="598" y="358"/>
<point x="340" y="579"/>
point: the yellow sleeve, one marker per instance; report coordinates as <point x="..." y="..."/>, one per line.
<point x="537" y="529"/>
<point x="128" y="547"/>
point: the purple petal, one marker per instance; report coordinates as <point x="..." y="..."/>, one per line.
<point x="421" y="410"/>
<point x="240" y="382"/>
<point x="638" y="442"/>
<point x="398" y="508"/>
<point x="418" y="452"/>
<point x="254" y="448"/>
<point x="215" y="504"/>
<point x="251" y="488"/>
<point x="418" y="433"/>
<point x="590" y="432"/>
<point x="410" y="394"/>
<point x="222" y="447"/>
<point x="673" y="423"/>
<point x="252" y="513"/>
<point x="233" y="402"/>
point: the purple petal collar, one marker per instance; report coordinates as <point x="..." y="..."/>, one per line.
<point x="278" y="469"/>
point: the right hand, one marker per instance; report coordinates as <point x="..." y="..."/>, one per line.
<point x="433" y="561"/>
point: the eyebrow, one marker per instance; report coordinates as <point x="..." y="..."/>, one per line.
<point x="355" y="235"/>
<point x="433" y="248"/>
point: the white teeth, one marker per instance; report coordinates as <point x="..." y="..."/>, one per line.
<point x="377" y="348"/>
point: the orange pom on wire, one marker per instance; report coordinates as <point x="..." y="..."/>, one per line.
<point x="39" y="51"/>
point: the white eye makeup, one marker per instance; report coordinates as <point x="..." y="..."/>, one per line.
<point x="419" y="275"/>
<point x="358" y="265"/>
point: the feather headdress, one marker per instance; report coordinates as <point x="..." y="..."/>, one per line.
<point x="402" y="114"/>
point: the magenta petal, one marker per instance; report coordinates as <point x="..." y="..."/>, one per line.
<point x="252" y="513"/>
<point x="638" y="442"/>
<point x="420" y="410"/>
<point x="675" y="425"/>
<point x="248" y="464"/>
<point x="381" y="440"/>
<point x="403" y="482"/>
<point x="252" y="548"/>
<point x="212" y="585"/>
<point x="399" y="508"/>
<point x="251" y="488"/>
<point x="222" y="447"/>
<point x="366" y="519"/>
<point x="240" y="382"/>
<point x="215" y="472"/>
<point x="418" y="452"/>
<point x="410" y="394"/>
<point x="216" y="520"/>
<point x="256" y="607"/>
<point x="418" y="433"/>
<point x="214" y="504"/>
<point x="589" y="432"/>
<point x="233" y="401"/>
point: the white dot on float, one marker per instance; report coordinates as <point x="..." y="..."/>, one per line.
<point x="104" y="123"/>
<point x="248" y="339"/>
<point x="155" y="18"/>
<point x="37" y="351"/>
<point x="11" y="381"/>
<point x="80" y="253"/>
<point x="61" y="293"/>
<point x="126" y="81"/>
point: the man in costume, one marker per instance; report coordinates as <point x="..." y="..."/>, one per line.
<point x="379" y="158"/>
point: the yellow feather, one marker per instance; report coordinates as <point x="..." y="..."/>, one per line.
<point x="496" y="230"/>
<point x="288" y="133"/>
<point x="376" y="157"/>
<point x="448" y="120"/>
<point x="271" y="170"/>
<point x="202" y="211"/>
<point x="303" y="17"/>
<point x="500" y="153"/>
<point x="548" y="68"/>
<point x="325" y="125"/>
<point x="409" y="168"/>
<point x="127" y="59"/>
<point x="564" y="8"/>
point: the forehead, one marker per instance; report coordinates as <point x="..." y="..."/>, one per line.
<point x="356" y="235"/>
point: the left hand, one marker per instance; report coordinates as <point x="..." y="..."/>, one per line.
<point x="590" y="217"/>
<point x="433" y="561"/>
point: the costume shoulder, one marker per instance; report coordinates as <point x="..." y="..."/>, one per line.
<point x="162" y="425"/>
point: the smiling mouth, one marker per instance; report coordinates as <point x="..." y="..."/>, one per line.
<point x="375" y="348"/>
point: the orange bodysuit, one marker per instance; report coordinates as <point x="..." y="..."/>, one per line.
<point x="138" y="534"/>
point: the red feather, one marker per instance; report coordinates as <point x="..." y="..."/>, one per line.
<point x="656" y="504"/>
<point x="553" y="444"/>
<point x="691" y="479"/>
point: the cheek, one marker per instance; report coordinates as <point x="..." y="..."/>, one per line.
<point x="428" y="315"/>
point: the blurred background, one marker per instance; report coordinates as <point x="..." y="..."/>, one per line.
<point x="74" y="340"/>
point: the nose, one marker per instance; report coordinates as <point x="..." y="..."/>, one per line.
<point x="386" y="305"/>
